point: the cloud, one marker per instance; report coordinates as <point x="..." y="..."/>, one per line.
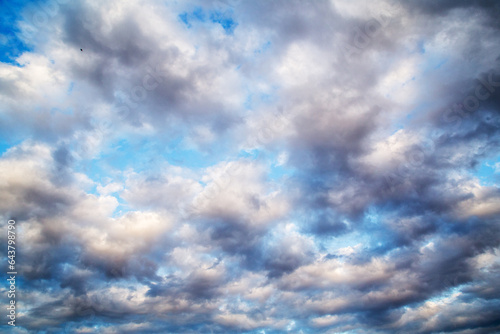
<point x="235" y="166"/>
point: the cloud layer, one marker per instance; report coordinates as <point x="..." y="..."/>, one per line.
<point x="253" y="166"/>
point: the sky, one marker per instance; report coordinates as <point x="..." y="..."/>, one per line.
<point x="231" y="166"/>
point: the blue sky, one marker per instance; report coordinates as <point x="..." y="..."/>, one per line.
<point x="231" y="166"/>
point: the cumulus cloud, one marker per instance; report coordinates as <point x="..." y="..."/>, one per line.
<point x="252" y="166"/>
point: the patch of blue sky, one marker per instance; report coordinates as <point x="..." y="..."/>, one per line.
<point x="71" y="87"/>
<point x="99" y="171"/>
<point x="448" y="293"/>
<point x="137" y="154"/>
<point x="89" y="323"/>
<point x="11" y="46"/>
<point x="93" y="170"/>
<point x="122" y="207"/>
<point x="173" y="143"/>
<point x="184" y="18"/>
<point x="368" y="236"/>
<point x="196" y="15"/>
<point x="278" y="172"/>
<point x="7" y="143"/>
<point x="372" y="216"/>
<point x="4" y="146"/>
<point x="249" y="154"/>
<point x="121" y="155"/>
<point x="146" y="154"/>
<point x="337" y="244"/>
<point x="278" y="169"/>
<point x="110" y="164"/>
<point x="189" y="158"/>
<point x="164" y="271"/>
<point x="225" y="20"/>
<point x="272" y="331"/>
<point x="488" y="172"/>
<point x="196" y="156"/>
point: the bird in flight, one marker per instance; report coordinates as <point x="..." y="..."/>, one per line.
<point x="81" y="49"/>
